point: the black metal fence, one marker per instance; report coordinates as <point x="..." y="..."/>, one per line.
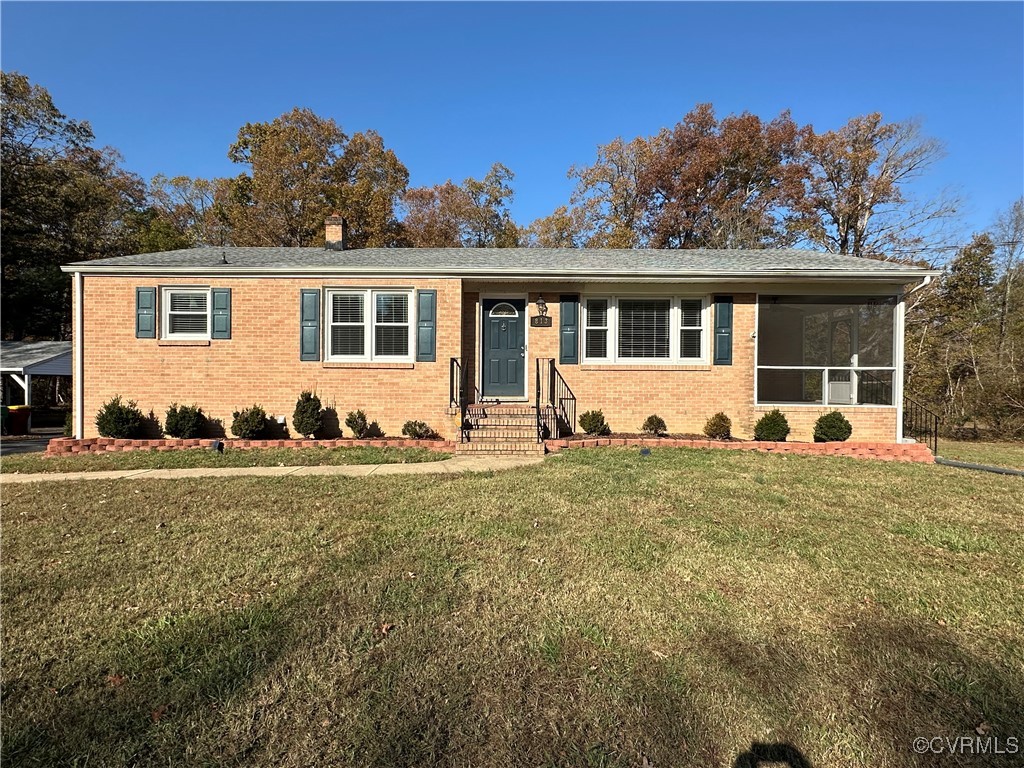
<point x="921" y="424"/>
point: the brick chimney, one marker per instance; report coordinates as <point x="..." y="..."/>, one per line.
<point x="337" y="232"/>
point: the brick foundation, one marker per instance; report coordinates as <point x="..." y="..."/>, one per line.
<point x="915" y="452"/>
<point x="67" y="446"/>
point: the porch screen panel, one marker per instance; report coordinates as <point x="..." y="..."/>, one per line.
<point x="644" y="328"/>
<point x="348" y="327"/>
<point x="834" y="350"/>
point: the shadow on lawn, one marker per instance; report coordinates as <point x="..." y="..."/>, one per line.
<point x="905" y="678"/>
<point x="774" y="754"/>
<point x="143" y="702"/>
<point x="429" y="693"/>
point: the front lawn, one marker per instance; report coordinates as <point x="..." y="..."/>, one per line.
<point x="599" y="609"/>
<point x="1010" y="455"/>
<point x="203" y="457"/>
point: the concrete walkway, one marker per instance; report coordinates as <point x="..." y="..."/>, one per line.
<point x="455" y="465"/>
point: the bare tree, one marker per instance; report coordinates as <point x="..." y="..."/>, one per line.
<point x="858" y="200"/>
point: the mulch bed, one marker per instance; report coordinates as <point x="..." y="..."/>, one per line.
<point x="647" y="436"/>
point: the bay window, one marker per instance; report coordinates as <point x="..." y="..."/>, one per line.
<point x="826" y="350"/>
<point x="366" y="325"/>
<point x="645" y="329"/>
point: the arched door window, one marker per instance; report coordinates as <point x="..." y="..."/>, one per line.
<point x="504" y="310"/>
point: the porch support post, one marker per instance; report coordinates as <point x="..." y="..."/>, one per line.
<point x="77" y="333"/>
<point x="897" y="389"/>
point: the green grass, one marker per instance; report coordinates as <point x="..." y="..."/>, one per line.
<point x="599" y="609"/>
<point x="1010" y="455"/>
<point x="202" y="457"/>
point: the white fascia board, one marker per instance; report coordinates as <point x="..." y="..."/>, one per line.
<point x="894" y="276"/>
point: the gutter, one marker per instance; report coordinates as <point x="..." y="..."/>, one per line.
<point x="504" y="274"/>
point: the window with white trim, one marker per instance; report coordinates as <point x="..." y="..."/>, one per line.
<point x="691" y="329"/>
<point x="186" y="313"/>
<point x="369" y="324"/>
<point x="596" y="330"/>
<point x="646" y="329"/>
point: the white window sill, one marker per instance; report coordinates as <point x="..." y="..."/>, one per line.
<point x="623" y="366"/>
<point x="183" y="343"/>
<point x="368" y="364"/>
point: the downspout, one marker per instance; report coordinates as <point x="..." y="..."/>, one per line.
<point x="78" y="333"/>
<point x="901" y="315"/>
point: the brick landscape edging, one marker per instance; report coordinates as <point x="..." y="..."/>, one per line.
<point x="66" y="446"/>
<point x="917" y="452"/>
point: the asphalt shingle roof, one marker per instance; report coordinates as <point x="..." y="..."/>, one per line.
<point x="18" y="355"/>
<point x="502" y="261"/>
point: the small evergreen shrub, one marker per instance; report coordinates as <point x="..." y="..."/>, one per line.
<point x="184" y="421"/>
<point x="593" y="423"/>
<point x="718" y="427"/>
<point x="773" y="426"/>
<point x="654" y="425"/>
<point x="356" y="422"/>
<point x="309" y="414"/>
<point x="69" y="425"/>
<point x="418" y="430"/>
<point x="249" y="423"/>
<point x="118" y="419"/>
<point x="832" y="427"/>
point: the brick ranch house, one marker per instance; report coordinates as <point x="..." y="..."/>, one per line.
<point x="494" y="338"/>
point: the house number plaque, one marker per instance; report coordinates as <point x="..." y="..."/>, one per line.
<point x="542" y="321"/>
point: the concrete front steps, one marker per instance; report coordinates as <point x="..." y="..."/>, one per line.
<point x="501" y="429"/>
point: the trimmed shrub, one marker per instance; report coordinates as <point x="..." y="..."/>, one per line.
<point x="773" y="427"/>
<point x="593" y="423"/>
<point x="184" y="421"/>
<point x="361" y="429"/>
<point x="654" y="425"/>
<point x="118" y="419"/>
<point x="419" y="430"/>
<point x="69" y="425"/>
<point x="718" y="427"/>
<point x="249" y="423"/>
<point x="309" y="414"/>
<point x="832" y="427"/>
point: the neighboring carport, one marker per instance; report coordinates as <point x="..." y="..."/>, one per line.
<point x="21" y="360"/>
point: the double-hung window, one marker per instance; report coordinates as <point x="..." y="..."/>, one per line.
<point x="596" y="330"/>
<point x="645" y="329"/>
<point x="691" y="329"/>
<point x="369" y="324"/>
<point x="186" y="313"/>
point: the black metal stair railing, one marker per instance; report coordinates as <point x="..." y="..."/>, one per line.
<point x="921" y="424"/>
<point x="554" y="397"/>
<point x="458" y="395"/>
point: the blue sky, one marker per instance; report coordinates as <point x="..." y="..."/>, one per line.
<point x="455" y="87"/>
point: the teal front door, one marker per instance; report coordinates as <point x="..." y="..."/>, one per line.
<point x="504" y="348"/>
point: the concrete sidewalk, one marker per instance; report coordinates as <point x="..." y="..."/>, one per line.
<point x="455" y="465"/>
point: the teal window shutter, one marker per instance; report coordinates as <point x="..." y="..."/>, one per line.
<point x="221" y="313"/>
<point x="568" y="332"/>
<point x="426" y="326"/>
<point x="309" y="340"/>
<point x="145" y="313"/>
<point x="723" y="330"/>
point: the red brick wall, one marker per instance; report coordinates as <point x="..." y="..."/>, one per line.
<point x="260" y="362"/>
